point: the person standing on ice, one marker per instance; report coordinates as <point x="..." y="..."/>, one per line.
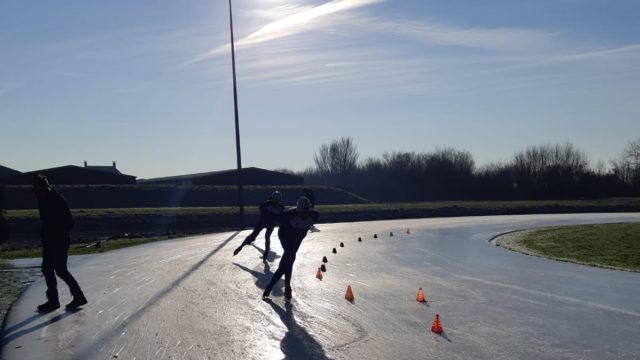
<point x="308" y="193"/>
<point x="294" y="225"/>
<point x="56" y="222"/>
<point x="269" y="212"/>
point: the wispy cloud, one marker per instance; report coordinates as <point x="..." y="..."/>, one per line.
<point x="593" y="54"/>
<point x="546" y="59"/>
<point x="300" y="21"/>
<point x="436" y="33"/>
<point x="417" y="56"/>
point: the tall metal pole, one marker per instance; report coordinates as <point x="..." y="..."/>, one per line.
<point x="235" y="106"/>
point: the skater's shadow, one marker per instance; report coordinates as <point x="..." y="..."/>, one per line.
<point x="270" y="257"/>
<point x="92" y="348"/>
<point x="10" y="333"/>
<point x="297" y="343"/>
<point x="262" y="277"/>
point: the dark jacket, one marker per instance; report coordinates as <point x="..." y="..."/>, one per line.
<point x="5" y="229"/>
<point x="308" y="193"/>
<point x="293" y="228"/>
<point x="55" y="217"/>
<point x="270" y="211"/>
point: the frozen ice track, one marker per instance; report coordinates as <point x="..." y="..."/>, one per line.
<point x="190" y="299"/>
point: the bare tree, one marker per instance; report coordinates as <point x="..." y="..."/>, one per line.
<point x="537" y="160"/>
<point x="632" y="153"/>
<point x="627" y="168"/>
<point x="338" y="158"/>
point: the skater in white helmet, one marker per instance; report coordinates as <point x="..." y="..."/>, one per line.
<point x="294" y="225"/>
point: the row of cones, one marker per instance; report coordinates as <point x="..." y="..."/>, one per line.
<point x="436" y="327"/>
<point x="375" y="236"/>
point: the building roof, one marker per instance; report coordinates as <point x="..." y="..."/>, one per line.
<point x="71" y="174"/>
<point x="110" y="169"/>
<point x="188" y="177"/>
<point x="5" y="171"/>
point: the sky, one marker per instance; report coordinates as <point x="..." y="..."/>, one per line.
<point x="148" y="83"/>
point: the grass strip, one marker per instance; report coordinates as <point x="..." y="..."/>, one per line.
<point x="371" y="207"/>
<point x="85" y="247"/>
<point x="609" y="245"/>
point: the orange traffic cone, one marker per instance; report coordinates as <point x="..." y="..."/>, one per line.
<point x="408" y="231"/>
<point x="420" y="297"/>
<point x="319" y="274"/>
<point x="349" y="294"/>
<point x="437" y="327"/>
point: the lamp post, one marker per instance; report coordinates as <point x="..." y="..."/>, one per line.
<point x="235" y="107"/>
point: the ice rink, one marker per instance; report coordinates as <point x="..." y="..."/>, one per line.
<point x="190" y="299"/>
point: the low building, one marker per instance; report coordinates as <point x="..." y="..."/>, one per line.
<point x="250" y="176"/>
<point x="75" y="175"/>
<point x="6" y="172"/>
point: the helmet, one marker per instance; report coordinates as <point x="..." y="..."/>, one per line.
<point x="276" y="195"/>
<point x="303" y="204"/>
<point x="40" y="183"/>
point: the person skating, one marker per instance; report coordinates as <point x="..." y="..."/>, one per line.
<point x="57" y="222"/>
<point x="294" y="225"/>
<point x="308" y="193"/>
<point x="269" y="212"/>
<point x="5" y="230"/>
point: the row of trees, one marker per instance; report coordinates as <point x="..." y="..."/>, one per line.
<point x="559" y="171"/>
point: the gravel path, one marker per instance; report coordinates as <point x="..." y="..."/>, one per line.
<point x="12" y="283"/>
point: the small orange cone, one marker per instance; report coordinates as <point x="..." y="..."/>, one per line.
<point x="349" y="294"/>
<point x="437" y="327"/>
<point x="319" y="274"/>
<point x="420" y="297"/>
<point x="408" y="231"/>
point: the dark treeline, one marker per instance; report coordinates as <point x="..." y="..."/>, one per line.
<point x="536" y="173"/>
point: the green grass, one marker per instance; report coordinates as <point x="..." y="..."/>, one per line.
<point x="119" y="220"/>
<point x="616" y="245"/>
<point x="124" y="212"/>
<point x="83" y="248"/>
<point x="252" y="209"/>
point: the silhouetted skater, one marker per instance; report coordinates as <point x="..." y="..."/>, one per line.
<point x="56" y="222"/>
<point x="294" y="225"/>
<point x="308" y="193"/>
<point x="5" y="230"/>
<point x="270" y="210"/>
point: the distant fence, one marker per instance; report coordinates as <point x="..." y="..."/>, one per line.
<point x="133" y="196"/>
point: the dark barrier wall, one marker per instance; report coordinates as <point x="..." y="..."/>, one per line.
<point x="127" y="196"/>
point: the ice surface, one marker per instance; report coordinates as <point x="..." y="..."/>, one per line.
<point x="190" y="299"/>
